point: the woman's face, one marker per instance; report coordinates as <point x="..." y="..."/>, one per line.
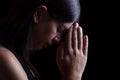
<point x="47" y="32"/>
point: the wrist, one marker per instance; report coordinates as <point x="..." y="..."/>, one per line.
<point x="71" y="77"/>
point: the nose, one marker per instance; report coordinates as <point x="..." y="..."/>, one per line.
<point x="57" y="39"/>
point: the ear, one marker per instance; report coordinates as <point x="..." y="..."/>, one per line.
<point x="41" y="10"/>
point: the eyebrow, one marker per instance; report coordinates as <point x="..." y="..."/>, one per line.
<point x="65" y="27"/>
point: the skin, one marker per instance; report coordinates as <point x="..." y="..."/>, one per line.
<point x="71" y="54"/>
<point x="48" y="27"/>
<point x="10" y="67"/>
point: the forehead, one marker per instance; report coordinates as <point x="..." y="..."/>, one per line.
<point x="66" y="25"/>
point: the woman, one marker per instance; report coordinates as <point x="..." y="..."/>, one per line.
<point x="35" y="25"/>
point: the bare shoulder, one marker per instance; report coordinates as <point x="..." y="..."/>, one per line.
<point x="10" y="66"/>
<point x="5" y="54"/>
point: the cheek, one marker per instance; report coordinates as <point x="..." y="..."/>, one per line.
<point x="50" y="32"/>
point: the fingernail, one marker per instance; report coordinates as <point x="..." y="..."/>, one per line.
<point x="77" y="24"/>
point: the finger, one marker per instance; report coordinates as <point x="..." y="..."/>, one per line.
<point x="60" y="52"/>
<point x="68" y="40"/>
<point x="85" y="45"/>
<point x="80" y="38"/>
<point x="74" y="37"/>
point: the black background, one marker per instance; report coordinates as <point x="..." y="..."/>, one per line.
<point x="99" y="21"/>
<point x="93" y="25"/>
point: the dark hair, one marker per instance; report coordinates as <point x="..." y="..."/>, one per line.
<point x="16" y="25"/>
<point x="63" y="10"/>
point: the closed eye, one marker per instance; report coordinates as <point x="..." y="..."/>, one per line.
<point x="63" y="35"/>
<point x="61" y="29"/>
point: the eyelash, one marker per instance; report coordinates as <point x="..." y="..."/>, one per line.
<point x="62" y="32"/>
<point x="58" y="30"/>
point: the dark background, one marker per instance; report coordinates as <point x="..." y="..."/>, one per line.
<point x="89" y="21"/>
<point x="100" y="21"/>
